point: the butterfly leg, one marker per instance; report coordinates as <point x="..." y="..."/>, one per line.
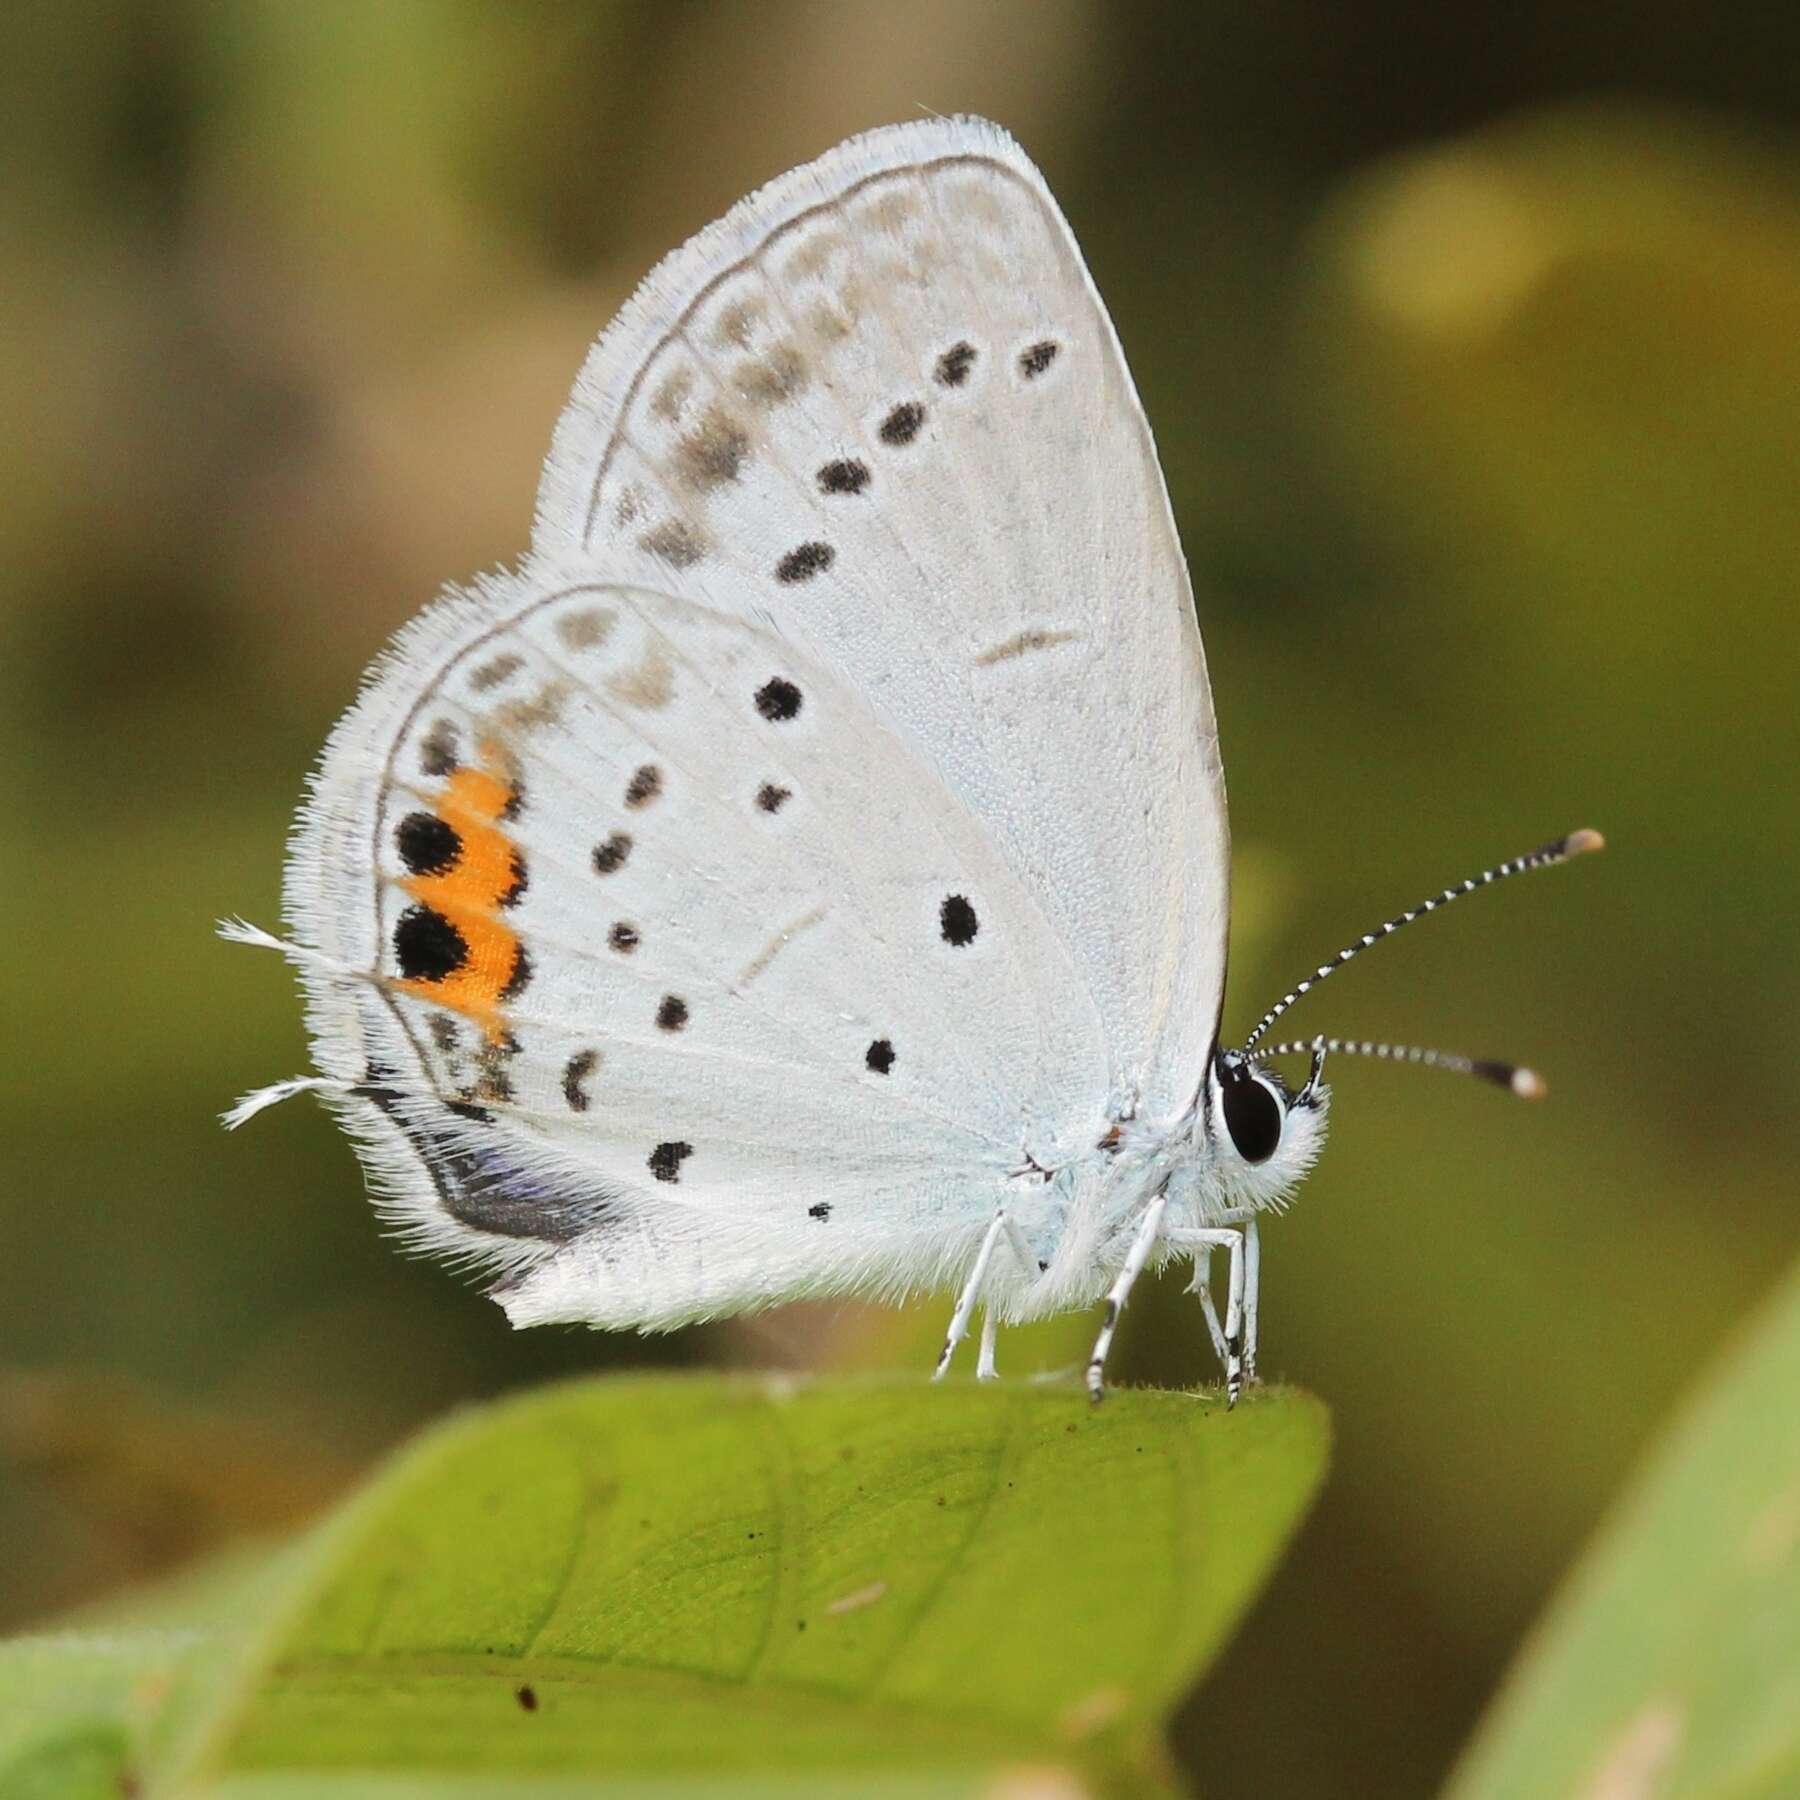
<point x="1226" y="1341"/>
<point x="986" y="1369"/>
<point x="1252" y="1292"/>
<point x="1030" y="1264"/>
<point x="965" y="1304"/>
<point x="1236" y="1344"/>
<point x="1135" y="1258"/>
<point x="1202" y="1285"/>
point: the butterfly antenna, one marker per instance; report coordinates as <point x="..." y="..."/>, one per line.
<point x="1515" y="1077"/>
<point x="1577" y="843"/>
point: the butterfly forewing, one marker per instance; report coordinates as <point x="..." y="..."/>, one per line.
<point x="882" y="403"/>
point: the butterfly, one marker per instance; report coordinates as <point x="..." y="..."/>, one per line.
<point x="807" y="873"/>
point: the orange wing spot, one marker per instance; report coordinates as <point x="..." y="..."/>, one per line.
<point x="469" y="894"/>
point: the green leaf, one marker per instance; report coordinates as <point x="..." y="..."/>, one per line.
<point x="854" y="1587"/>
<point x="1671" y="1664"/>
<point x="84" y="1706"/>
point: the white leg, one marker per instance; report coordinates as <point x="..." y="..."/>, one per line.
<point x="1252" y="1293"/>
<point x="1236" y="1345"/>
<point x="1139" y="1254"/>
<point x="985" y="1367"/>
<point x="965" y="1305"/>
<point x="1202" y="1285"/>
<point x="1225" y="1339"/>
<point x="1234" y="1325"/>
<point x="1028" y="1262"/>
<point x="1246" y="1291"/>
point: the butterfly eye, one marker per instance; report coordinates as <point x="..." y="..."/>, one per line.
<point x="1254" y="1116"/>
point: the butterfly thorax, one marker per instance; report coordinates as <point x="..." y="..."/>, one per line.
<point x="1081" y="1220"/>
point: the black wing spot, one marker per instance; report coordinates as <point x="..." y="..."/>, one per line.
<point x="1038" y="358"/>
<point x="624" y="938"/>
<point x="666" y="1159"/>
<point x="576" y="1071"/>
<point x="672" y="1015"/>
<point x="610" y="857"/>
<point x="803" y="562"/>
<point x="520" y="977"/>
<point x="644" y="785"/>
<point x="821" y="1212"/>
<point x="771" y="798"/>
<point x="427" y="844"/>
<point x="778" y="700"/>
<point x="427" y="945"/>
<point x="846" y="477"/>
<point x="957" y="921"/>
<point x="954" y="365"/>
<point x="902" y="425"/>
<point x="521" y="879"/>
<point x="880" y="1056"/>
<point x="438" y="750"/>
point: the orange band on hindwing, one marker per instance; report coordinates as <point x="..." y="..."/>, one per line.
<point x="481" y="873"/>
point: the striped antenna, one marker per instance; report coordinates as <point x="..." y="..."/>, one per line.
<point x="1577" y="843"/>
<point x="1526" y="1083"/>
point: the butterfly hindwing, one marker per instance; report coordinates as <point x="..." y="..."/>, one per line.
<point x="667" y="915"/>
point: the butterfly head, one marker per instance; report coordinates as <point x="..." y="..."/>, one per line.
<point x="1266" y="1133"/>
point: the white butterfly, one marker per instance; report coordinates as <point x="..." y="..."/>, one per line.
<point x="808" y="873"/>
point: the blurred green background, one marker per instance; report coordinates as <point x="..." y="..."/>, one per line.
<point x="1471" y="337"/>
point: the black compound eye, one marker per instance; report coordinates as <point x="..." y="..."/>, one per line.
<point x="1254" y="1116"/>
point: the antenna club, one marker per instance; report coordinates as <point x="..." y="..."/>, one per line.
<point x="1528" y="1084"/>
<point x="1579" y="843"/>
